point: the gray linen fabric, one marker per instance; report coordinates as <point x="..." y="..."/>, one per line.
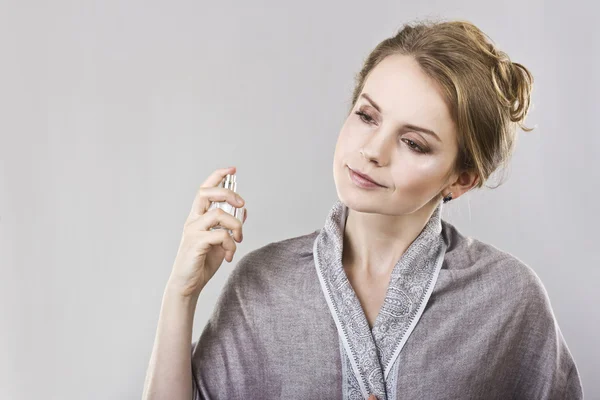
<point x="461" y="319"/>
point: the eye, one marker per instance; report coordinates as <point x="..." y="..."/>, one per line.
<point x="363" y="116"/>
<point x="366" y="118"/>
<point x="416" y="147"/>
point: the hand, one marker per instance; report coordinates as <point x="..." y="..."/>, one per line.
<point x="372" y="397"/>
<point x="201" y="251"/>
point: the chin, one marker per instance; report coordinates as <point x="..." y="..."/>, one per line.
<point x="357" y="200"/>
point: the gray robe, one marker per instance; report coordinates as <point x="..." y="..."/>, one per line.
<point x="461" y="320"/>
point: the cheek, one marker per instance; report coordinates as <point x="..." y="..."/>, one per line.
<point x="345" y="144"/>
<point x="418" y="174"/>
<point x="350" y="139"/>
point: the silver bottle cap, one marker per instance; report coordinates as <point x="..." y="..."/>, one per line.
<point x="229" y="182"/>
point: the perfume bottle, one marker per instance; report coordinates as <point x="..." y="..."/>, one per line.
<point x="229" y="182"/>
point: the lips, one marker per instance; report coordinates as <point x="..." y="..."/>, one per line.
<point x="367" y="177"/>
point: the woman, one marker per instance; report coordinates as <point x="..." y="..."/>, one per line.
<point x="387" y="300"/>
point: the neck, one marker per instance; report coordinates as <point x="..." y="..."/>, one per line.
<point x="373" y="243"/>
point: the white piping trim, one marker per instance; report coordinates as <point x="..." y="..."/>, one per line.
<point x="338" y="323"/>
<point x="412" y="325"/>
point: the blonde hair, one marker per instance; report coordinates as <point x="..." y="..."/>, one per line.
<point x="488" y="95"/>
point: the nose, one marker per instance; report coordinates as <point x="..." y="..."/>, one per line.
<point x="379" y="148"/>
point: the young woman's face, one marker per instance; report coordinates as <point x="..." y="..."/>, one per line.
<point x="397" y="100"/>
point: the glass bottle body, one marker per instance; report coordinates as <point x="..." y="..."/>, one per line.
<point x="229" y="182"/>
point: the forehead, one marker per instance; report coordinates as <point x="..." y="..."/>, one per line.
<point x="407" y="95"/>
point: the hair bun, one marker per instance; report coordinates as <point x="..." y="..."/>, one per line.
<point x="513" y="84"/>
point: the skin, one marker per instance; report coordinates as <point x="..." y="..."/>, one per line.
<point x="383" y="222"/>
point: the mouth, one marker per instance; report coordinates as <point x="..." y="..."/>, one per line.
<point x="364" y="178"/>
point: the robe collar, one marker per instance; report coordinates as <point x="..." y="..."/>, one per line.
<point x="372" y="352"/>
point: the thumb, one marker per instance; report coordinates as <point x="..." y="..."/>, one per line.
<point x="372" y="397"/>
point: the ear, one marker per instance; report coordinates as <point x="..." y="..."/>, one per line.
<point x="462" y="183"/>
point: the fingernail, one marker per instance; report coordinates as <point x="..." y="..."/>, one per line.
<point x="239" y="199"/>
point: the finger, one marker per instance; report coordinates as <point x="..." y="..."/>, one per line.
<point x="211" y="194"/>
<point x="217" y="176"/>
<point x="220" y="237"/>
<point x="228" y="245"/>
<point x="213" y="180"/>
<point x="222" y="218"/>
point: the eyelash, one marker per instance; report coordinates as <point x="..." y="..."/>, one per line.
<point x="362" y="115"/>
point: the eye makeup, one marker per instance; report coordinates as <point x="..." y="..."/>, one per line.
<point x="415" y="146"/>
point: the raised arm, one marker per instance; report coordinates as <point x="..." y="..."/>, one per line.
<point x="201" y="253"/>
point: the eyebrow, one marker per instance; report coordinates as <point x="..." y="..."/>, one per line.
<point x="408" y="126"/>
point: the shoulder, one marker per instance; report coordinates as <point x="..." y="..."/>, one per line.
<point x="284" y="251"/>
<point x="490" y="265"/>
<point x="503" y="290"/>
<point x="272" y="264"/>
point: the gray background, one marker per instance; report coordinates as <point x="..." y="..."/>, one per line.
<point x="114" y="112"/>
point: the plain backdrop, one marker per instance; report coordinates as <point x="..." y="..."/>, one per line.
<point x="114" y="112"/>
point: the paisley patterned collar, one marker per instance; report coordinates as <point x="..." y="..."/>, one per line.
<point x="370" y="354"/>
